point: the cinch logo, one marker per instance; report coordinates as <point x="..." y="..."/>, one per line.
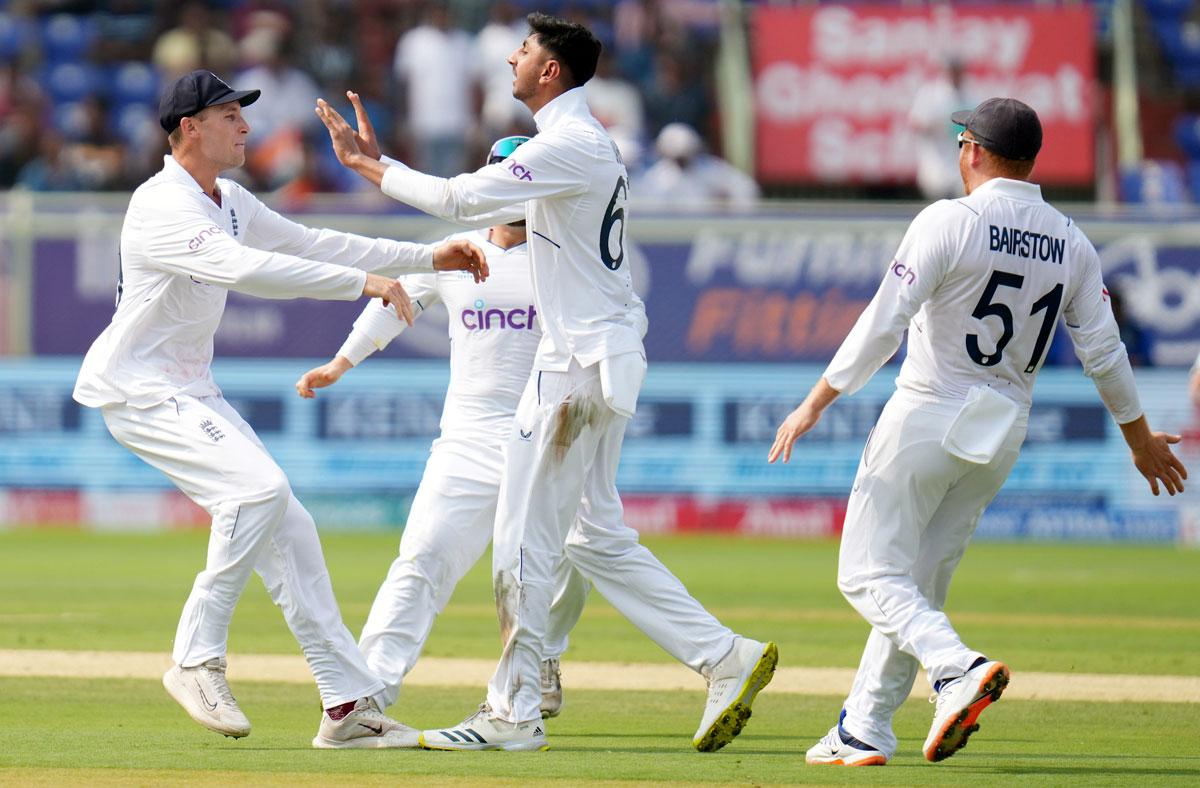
<point x="905" y="273"/>
<point x="520" y="170"/>
<point x="480" y="319"/>
<point x="202" y="236"/>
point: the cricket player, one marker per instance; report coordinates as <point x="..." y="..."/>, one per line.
<point x="980" y="283"/>
<point x="569" y="183"/>
<point x="494" y="335"/>
<point x="188" y="238"/>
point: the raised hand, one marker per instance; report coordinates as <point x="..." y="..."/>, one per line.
<point x="344" y="138"/>
<point x="461" y="255"/>
<point x="364" y="137"/>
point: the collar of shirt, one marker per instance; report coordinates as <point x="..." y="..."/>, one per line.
<point x="567" y="105"/>
<point x="176" y="172"/>
<point x="1019" y="190"/>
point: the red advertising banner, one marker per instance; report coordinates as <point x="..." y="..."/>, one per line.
<point x="835" y="84"/>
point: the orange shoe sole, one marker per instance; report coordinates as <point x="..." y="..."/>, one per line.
<point x="955" y="732"/>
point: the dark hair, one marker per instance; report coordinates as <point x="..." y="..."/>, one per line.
<point x="573" y="45"/>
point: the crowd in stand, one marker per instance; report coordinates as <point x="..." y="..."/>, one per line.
<point x="79" y="83"/>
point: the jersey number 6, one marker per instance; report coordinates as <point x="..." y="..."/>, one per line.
<point x="1050" y="302"/>
<point x="613" y="216"/>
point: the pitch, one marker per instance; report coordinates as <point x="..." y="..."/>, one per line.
<point x="1119" y="621"/>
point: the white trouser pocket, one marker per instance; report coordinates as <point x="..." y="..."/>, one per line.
<point x="620" y="380"/>
<point x="981" y="425"/>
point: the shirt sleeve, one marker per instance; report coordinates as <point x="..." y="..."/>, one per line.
<point x="505" y="215"/>
<point x="181" y="238"/>
<point x="266" y="229"/>
<point x="1097" y="340"/>
<point x="378" y="325"/>
<point x="926" y="254"/>
<point x="539" y="168"/>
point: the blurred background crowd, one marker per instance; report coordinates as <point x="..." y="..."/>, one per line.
<point x="79" y="82"/>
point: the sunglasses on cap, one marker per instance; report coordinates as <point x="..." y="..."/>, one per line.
<point x="503" y="148"/>
<point x="967" y="141"/>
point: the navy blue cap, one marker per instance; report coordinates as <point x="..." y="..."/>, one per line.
<point x="193" y="92"/>
<point x="1005" y="126"/>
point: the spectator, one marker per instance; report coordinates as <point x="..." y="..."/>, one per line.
<point x="97" y="156"/>
<point x="687" y="177"/>
<point x="19" y="137"/>
<point x="433" y="66"/>
<point x="195" y="42"/>
<point x="615" y="102"/>
<point x="125" y="30"/>
<point x="503" y="33"/>
<point x="278" y="120"/>
<point x="937" y="154"/>
<point x="51" y="170"/>
<point x="678" y="93"/>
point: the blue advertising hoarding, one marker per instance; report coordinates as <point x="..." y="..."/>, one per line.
<point x="701" y="434"/>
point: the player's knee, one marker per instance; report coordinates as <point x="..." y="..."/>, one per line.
<point x="590" y="550"/>
<point x="426" y="563"/>
<point x="271" y="489"/>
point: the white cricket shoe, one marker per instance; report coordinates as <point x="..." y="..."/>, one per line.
<point x="364" y="727"/>
<point x="204" y="694"/>
<point x="839" y="748"/>
<point x="732" y="686"/>
<point x="551" y="688"/>
<point x="959" y="703"/>
<point x="485" y="731"/>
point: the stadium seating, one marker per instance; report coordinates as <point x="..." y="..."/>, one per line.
<point x="13" y="32"/>
<point x="71" y="81"/>
<point x="70" y="118"/>
<point x="134" y="83"/>
<point x="67" y="37"/>
<point x="1154" y="182"/>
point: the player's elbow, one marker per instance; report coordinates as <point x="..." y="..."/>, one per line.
<point x="1104" y="361"/>
<point x="460" y="203"/>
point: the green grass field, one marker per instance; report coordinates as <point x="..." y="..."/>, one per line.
<point x="1058" y="608"/>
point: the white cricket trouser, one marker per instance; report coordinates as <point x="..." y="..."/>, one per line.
<point x="214" y="457"/>
<point x="908" y="522"/>
<point x="448" y="529"/>
<point x="562" y="461"/>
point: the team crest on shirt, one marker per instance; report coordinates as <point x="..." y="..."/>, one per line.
<point x="209" y="428"/>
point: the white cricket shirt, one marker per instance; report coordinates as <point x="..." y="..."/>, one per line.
<point x="494" y="336"/>
<point x="980" y="283"/>
<point x="574" y="187"/>
<point x="181" y="253"/>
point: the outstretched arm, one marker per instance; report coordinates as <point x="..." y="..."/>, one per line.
<point x="373" y="330"/>
<point x="802" y="419"/>
<point x="540" y="168"/>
